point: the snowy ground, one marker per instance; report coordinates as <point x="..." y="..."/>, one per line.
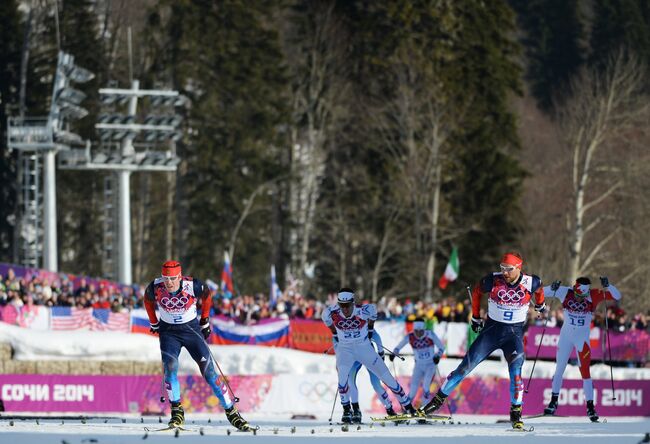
<point x="204" y="429"/>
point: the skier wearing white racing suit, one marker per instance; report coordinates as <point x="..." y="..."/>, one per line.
<point x="352" y="329"/>
<point x="381" y="392"/>
<point x="427" y="350"/>
<point x="579" y="303"/>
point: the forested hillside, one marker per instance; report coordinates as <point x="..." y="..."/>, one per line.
<point x="357" y="142"/>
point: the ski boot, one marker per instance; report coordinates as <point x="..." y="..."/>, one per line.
<point x="591" y="411"/>
<point x="178" y="416"/>
<point x="390" y="411"/>
<point x="515" y="417"/>
<point x="425" y="399"/>
<point x="433" y="405"/>
<point x="552" y="406"/>
<point x="408" y="409"/>
<point x="236" y="419"/>
<point x="347" y="414"/>
<point x="356" y="413"/>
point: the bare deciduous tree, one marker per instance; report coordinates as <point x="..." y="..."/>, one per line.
<point x="415" y="127"/>
<point x="317" y="60"/>
<point x="604" y="107"/>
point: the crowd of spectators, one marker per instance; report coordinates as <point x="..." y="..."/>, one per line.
<point x="249" y="309"/>
<point x="21" y="292"/>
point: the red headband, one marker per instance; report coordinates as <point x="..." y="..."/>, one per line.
<point x="171" y="268"/>
<point x="511" y="259"/>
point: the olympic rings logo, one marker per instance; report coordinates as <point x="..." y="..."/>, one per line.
<point x="316" y="391"/>
<point x="174" y="303"/>
<point x="511" y="295"/>
<point x="348" y="324"/>
<point x="421" y="343"/>
<point x="577" y="305"/>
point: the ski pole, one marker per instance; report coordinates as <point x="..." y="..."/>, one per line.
<point x="162" y="382"/>
<point x="440" y="388"/>
<point x="391" y="352"/>
<point x="394" y="370"/>
<point x="235" y="398"/>
<point x="609" y="345"/>
<point x="530" y="378"/>
<point x="336" y="395"/>
<point x="328" y="350"/>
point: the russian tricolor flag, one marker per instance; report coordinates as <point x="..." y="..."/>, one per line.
<point x="139" y="321"/>
<point x="269" y="332"/>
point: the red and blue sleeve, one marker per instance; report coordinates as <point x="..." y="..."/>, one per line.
<point x="204" y="295"/>
<point x="150" y="304"/>
<point x="484" y="286"/>
<point x="538" y="290"/>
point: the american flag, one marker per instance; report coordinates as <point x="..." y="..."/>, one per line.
<point x="68" y="318"/>
<point x="106" y="319"/>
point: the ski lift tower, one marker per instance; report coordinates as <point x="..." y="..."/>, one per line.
<point x="45" y="136"/>
<point x="129" y="147"/>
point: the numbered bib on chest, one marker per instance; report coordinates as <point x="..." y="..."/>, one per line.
<point x="422" y="347"/>
<point x="176" y="308"/>
<point x="352" y="329"/>
<point x="578" y="311"/>
<point x="509" y="304"/>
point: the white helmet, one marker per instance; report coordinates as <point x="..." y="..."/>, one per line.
<point x="345" y="296"/>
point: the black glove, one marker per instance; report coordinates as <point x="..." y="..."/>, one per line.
<point x="382" y="355"/>
<point x="335" y="339"/>
<point x="540" y="308"/>
<point x="555" y="285"/>
<point x="391" y="357"/>
<point x="436" y="359"/>
<point x="477" y="324"/>
<point x="604" y="282"/>
<point x="370" y="333"/>
<point x="205" y="327"/>
<point x="153" y="328"/>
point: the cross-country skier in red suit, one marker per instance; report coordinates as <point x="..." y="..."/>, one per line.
<point x="176" y="297"/>
<point x="509" y="294"/>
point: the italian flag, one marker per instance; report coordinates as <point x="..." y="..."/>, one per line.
<point x="451" y="272"/>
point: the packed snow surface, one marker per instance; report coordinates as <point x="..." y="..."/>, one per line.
<point x="280" y="429"/>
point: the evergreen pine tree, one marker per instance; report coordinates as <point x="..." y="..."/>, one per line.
<point x="485" y="186"/>
<point x="620" y="24"/>
<point x="553" y="37"/>
<point x="471" y="52"/>
<point x="225" y="57"/>
<point x="80" y="231"/>
<point x="10" y="45"/>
